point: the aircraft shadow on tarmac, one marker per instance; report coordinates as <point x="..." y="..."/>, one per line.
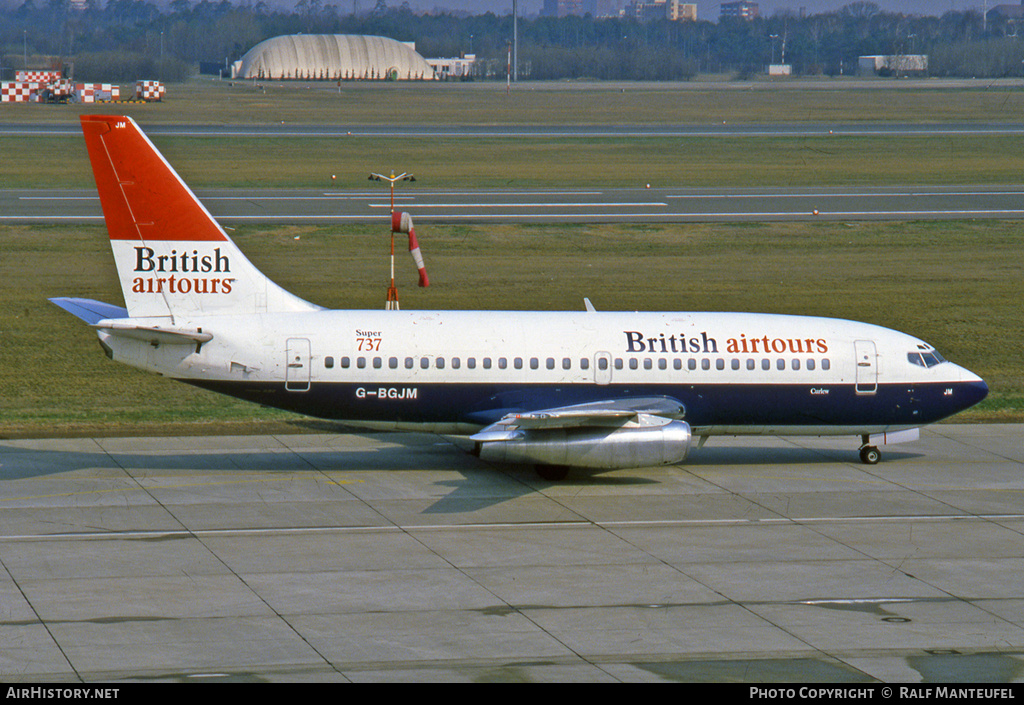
<point x="478" y="485"/>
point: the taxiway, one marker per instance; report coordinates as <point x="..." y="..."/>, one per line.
<point x="373" y="557"/>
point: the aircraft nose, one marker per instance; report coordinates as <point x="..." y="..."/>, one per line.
<point x="973" y="388"/>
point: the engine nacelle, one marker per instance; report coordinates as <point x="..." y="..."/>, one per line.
<point x="626" y="447"/>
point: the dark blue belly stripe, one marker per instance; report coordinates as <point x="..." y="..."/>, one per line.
<point x="706" y="405"/>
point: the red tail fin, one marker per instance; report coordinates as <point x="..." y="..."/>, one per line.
<point x="143" y="198"/>
<point x="172" y="257"/>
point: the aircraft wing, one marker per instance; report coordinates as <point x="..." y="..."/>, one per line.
<point x="612" y="413"/>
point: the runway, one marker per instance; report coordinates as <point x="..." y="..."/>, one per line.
<point x="637" y="205"/>
<point x="656" y="131"/>
<point x="381" y="557"/>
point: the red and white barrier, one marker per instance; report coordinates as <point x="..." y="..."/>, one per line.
<point x="402" y="223"/>
<point x="91" y="92"/>
<point x="19" y="92"/>
<point x="149" y="90"/>
<point x="23" y="76"/>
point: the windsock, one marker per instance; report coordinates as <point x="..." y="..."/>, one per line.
<point x="402" y="223"/>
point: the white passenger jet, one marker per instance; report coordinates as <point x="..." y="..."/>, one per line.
<point x="551" y="389"/>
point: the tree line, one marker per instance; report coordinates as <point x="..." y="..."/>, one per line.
<point x="124" y="39"/>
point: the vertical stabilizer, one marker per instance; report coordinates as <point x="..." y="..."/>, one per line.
<point x="172" y="257"/>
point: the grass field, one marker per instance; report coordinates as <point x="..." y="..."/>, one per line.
<point x="61" y="162"/>
<point x="955" y="284"/>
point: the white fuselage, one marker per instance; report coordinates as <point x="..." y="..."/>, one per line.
<point x="735" y="373"/>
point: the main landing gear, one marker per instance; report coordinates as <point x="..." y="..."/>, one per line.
<point x="552" y="473"/>
<point x="869" y="455"/>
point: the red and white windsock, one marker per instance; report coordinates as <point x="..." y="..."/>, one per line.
<point x="402" y="223"/>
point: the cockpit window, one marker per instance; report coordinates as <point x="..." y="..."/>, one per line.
<point x="930" y="358"/>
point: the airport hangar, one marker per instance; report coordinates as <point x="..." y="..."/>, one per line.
<point x="332" y="57"/>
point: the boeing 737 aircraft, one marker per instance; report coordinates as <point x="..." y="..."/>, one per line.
<point x="552" y="389"/>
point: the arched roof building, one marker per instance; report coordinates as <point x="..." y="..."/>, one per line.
<point x="332" y="57"/>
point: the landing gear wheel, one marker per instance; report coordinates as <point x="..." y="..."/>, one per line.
<point x="552" y="473"/>
<point x="870" y="455"/>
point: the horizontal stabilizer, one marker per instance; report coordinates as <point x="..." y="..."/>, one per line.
<point x="88" y="310"/>
<point x="153" y="334"/>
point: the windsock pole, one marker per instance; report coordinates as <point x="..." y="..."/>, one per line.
<point x="392" y="299"/>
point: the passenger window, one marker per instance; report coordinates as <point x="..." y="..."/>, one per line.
<point x="648" y="365"/>
<point x="518" y="363"/>
<point x="409" y="362"/>
<point x="487" y="363"/>
<point x="735" y="363"/>
<point x="329" y="362"/>
<point x="471" y="363"/>
<point x="425" y="363"/>
<point x="361" y="362"/>
<point x="377" y="363"/>
<point x="796" y="364"/>
<point x="691" y="364"/>
<point x="602" y="363"/>
<point x="393" y="363"/>
<point x="440" y="363"/>
<point x="780" y="364"/>
<point x="618" y="363"/>
<point x="766" y="364"/>
<point x="456" y="363"/>
<point x="566" y="363"/>
<point x="585" y="364"/>
<point x="751" y="364"/>
<point x="705" y="364"/>
<point x="810" y="363"/>
<point x="719" y="364"/>
<point x="502" y="363"/>
<point x="345" y="362"/>
<point x="634" y="363"/>
<point x="550" y="363"/>
<point x="825" y="364"/>
<point x="677" y="364"/>
<point x="662" y="363"/>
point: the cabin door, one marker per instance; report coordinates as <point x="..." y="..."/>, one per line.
<point x="296" y="376"/>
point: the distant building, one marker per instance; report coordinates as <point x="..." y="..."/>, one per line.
<point x="579" y="8"/>
<point x="454" y="68"/>
<point x="661" y="10"/>
<point x="892" y="64"/>
<point x="742" y="8"/>
<point x="1007" y="12"/>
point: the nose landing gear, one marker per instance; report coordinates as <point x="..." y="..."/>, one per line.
<point x="869" y="454"/>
